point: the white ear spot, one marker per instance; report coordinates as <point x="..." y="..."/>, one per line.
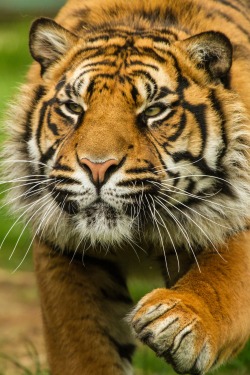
<point x="211" y="51"/>
<point x="49" y="42"/>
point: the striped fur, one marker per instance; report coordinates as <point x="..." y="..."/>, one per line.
<point x="160" y="91"/>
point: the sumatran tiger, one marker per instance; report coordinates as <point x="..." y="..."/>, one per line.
<point x="129" y="155"/>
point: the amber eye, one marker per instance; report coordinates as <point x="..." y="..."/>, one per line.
<point x="74" y="107"/>
<point x="153" y="111"/>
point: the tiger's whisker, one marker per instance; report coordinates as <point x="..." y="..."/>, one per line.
<point x="23" y="161"/>
<point x="184" y="192"/>
<point x="160" y="169"/>
<point x="73" y="256"/>
<point x="197" y="212"/>
<point x="27" y="195"/>
<point x="61" y="212"/>
<point x="22" y="185"/>
<point x="201" y="175"/>
<point x="33" y="238"/>
<point x="23" y="213"/>
<point x="184" y="232"/>
<point x="159" y="231"/>
<point x="47" y="214"/>
<point x="197" y="225"/>
<point x="29" y="177"/>
<point x="171" y="240"/>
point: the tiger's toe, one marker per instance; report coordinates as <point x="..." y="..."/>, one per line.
<point x="176" y="332"/>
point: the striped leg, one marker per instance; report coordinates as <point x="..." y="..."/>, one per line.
<point x="83" y="311"/>
<point x="205" y="318"/>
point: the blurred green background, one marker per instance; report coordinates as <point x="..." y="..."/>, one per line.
<point x="15" y="19"/>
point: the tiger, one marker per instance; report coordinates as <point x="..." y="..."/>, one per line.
<point x="129" y="158"/>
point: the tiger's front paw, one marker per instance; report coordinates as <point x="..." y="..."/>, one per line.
<point x="179" y="328"/>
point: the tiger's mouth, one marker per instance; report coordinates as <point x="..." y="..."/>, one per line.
<point x="100" y="209"/>
<point x="101" y="223"/>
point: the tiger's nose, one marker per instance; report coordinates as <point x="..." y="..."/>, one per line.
<point x="99" y="171"/>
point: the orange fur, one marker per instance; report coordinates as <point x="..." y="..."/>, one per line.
<point x="156" y="95"/>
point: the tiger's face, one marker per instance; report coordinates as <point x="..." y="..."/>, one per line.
<point x="130" y="132"/>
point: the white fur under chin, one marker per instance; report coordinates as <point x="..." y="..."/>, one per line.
<point x="103" y="232"/>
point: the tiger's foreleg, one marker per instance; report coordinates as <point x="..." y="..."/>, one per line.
<point x="205" y="318"/>
<point x="83" y="309"/>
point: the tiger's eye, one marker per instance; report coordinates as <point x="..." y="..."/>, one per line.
<point x="74" y="107"/>
<point x="153" y="111"/>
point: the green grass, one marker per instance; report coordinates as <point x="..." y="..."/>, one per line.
<point x="14" y="60"/>
<point x="20" y="368"/>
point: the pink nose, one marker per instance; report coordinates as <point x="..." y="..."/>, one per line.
<point x="99" y="170"/>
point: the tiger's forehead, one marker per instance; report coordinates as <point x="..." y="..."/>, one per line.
<point x="141" y="61"/>
<point x="127" y="38"/>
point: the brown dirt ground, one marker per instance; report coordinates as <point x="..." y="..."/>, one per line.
<point x="20" y="322"/>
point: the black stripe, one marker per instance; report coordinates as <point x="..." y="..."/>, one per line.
<point x="135" y="94"/>
<point x="104" y="37"/>
<point x="162" y="120"/>
<point x="133" y="182"/>
<point x="163" y="92"/>
<point x="229" y="4"/>
<point x="200" y="163"/>
<point x="229" y="19"/>
<point x="48" y="154"/>
<point x="68" y="90"/>
<point x="182" y="81"/>
<point x="39" y="92"/>
<point x="61" y="83"/>
<point x="141" y="170"/>
<point x="141" y="63"/>
<point x="52" y="126"/>
<point x="199" y="113"/>
<point x="218" y="108"/>
<point x="124" y="350"/>
<point x="105" y="75"/>
<point x="152" y="53"/>
<point x="233" y="6"/>
<point x="42" y="114"/>
<point x="114" y="295"/>
<point x="65" y="192"/>
<point x="103" y="62"/>
<point x="164" y="166"/>
<point x="91" y="88"/>
<point x="62" y="167"/>
<point x="147" y="75"/>
<point x="108" y="266"/>
<point x="67" y="180"/>
<point x="161" y="39"/>
<point x="180" y="128"/>
<point x="99" y="51"/>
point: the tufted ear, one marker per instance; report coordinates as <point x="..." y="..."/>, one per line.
<point x="211" y="51"/>
<point x="49" y="42"/>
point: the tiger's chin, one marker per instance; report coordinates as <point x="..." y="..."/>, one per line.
<point x="102" y="224"/>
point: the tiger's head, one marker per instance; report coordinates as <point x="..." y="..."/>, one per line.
<point x="130" y="134"/>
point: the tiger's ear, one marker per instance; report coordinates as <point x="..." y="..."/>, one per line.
<point x="49" y="42"/>
<point x="211" y="51"/>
